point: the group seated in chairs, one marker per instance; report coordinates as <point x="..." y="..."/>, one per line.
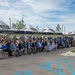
<point x="34" y="45"/>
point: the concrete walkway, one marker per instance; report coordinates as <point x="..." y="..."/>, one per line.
<point x="45" y="63"/>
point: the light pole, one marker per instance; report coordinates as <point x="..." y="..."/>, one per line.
<point x="62" y="28"/>
<point x="10" y="22"/>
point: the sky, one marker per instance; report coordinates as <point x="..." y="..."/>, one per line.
<point x="40" y="13"/>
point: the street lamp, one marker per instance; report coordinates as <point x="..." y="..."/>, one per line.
<point x="10" y="22"/>
<point x="62" y="28"/>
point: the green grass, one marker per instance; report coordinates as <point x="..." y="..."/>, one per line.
<point x="73" y="51"/>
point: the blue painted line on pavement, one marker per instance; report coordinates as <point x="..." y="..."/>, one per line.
<point x="59" y="68"/>
<point x="69" y="66"/>
<point x="24" y="72"/>
<point x="47" y="66"/>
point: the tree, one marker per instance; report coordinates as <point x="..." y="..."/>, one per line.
<point x="19" y="24"/>
<point x="58" y="28"/>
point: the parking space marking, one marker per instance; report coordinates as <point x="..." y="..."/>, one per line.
<point x="47" y="66"/>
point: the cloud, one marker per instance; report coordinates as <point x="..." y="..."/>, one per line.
<point x="4" y="3"/>
<point x="43" y="5"/>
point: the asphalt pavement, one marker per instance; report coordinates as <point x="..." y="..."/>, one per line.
<point x="45" y="63"/>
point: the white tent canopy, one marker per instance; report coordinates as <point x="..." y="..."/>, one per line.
<point x="72" y="32"/>
<point x="0" y="28"/>
<point x="4" y="25"/>
<point x="47" y="29"/>
<point x="30" y="28"/>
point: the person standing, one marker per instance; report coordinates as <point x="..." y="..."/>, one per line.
<point x="34" y="46"/>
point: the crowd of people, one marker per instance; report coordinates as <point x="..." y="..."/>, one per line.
<point x="29" y="45"/>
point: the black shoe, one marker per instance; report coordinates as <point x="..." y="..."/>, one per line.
<point x="19" y="54"/>
<point x="10" y="56"/>
<point x="48" y="51"/>
<point x="16" y="55"/>
<point x="34" y="53"/>
<point x="29" y="53"/>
